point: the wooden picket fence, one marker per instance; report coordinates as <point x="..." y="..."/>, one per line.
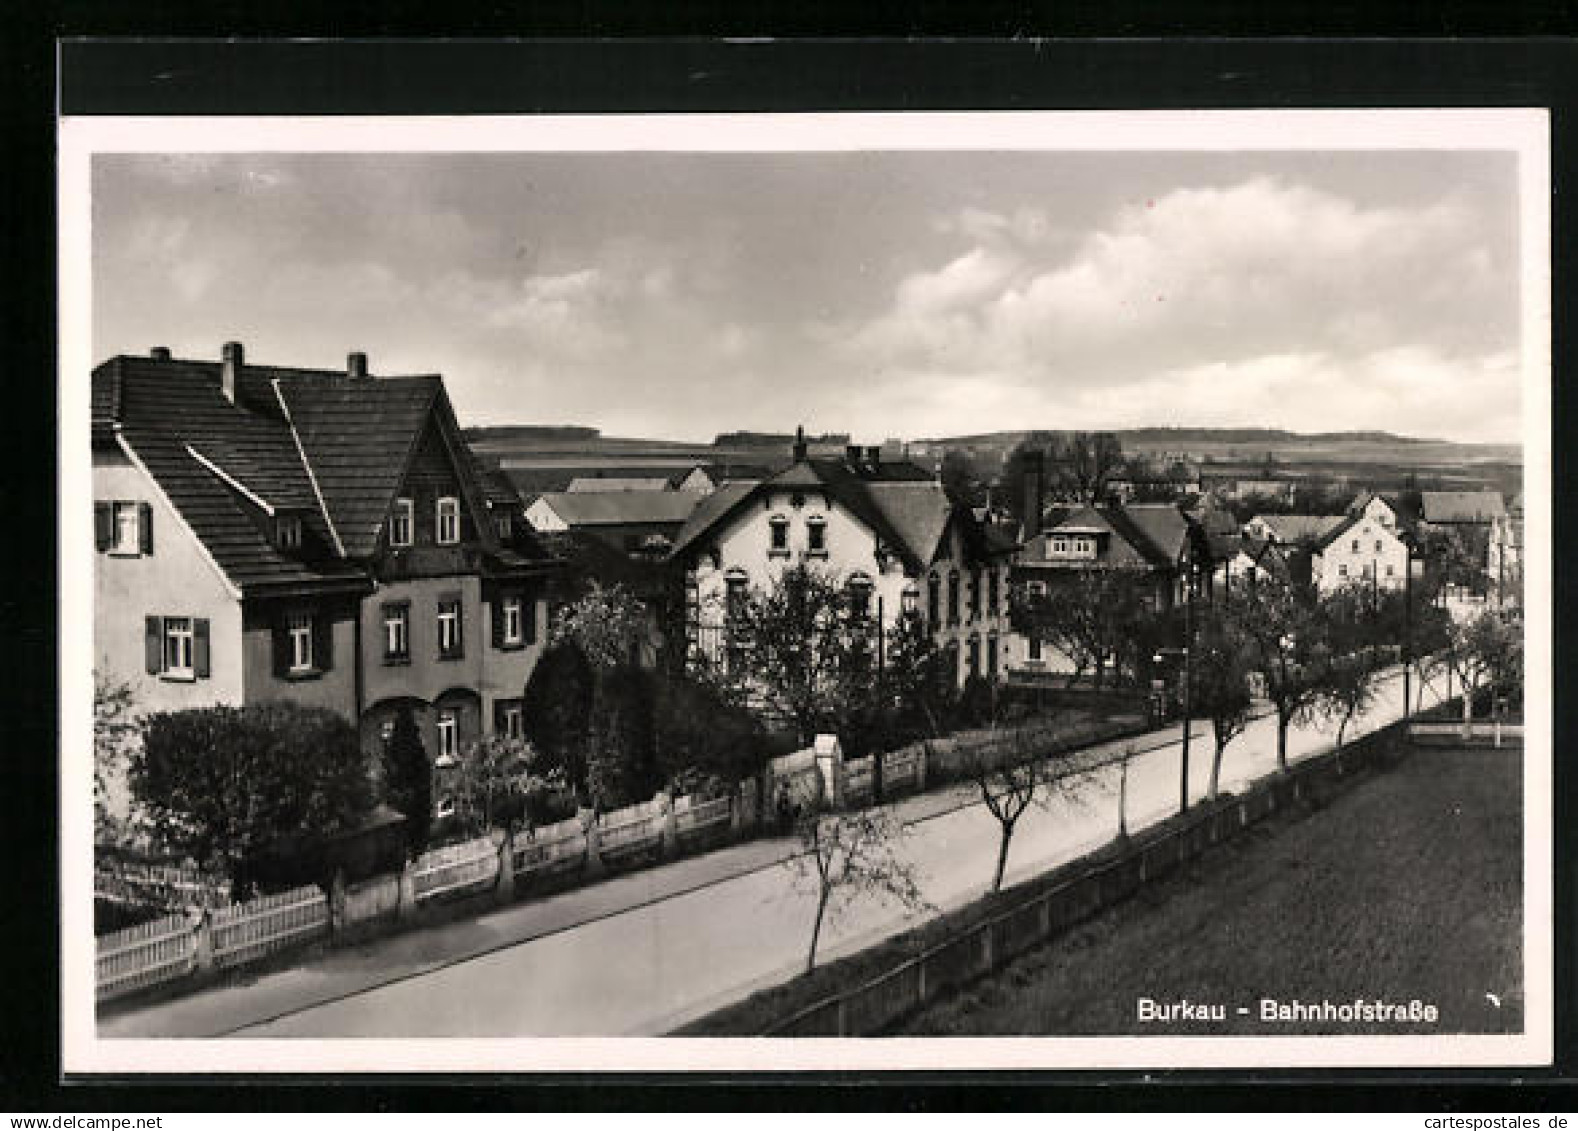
<point x="246" y="931"/>
<point x="159" y="885"/>
<point x="694" y="820"/>
<point x="900" y="770"/>
<point x="455" y="868"/>
<point x="859" y="780"/>
<point x="551" y="848"/>
<point x="145" y="955"/>
<point x="629" y="832"/>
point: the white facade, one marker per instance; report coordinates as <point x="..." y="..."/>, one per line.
<point x="741" y="551"/>
<point x="1366" y="553"/>
<point x="1380" y="512"/>
<point x="544" y="519"/>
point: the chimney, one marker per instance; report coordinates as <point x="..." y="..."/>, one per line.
<point x="356" y="366"/>
<point x="1035" y="502"/>
<point x="230" y="370"/>
<point x="874" y="456"/>
<point x="799" y="444"/>
<point x="852" y="455"/>
<point x="160" y="353"/>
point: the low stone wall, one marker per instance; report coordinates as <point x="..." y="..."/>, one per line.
<point x="881" y="1002"/>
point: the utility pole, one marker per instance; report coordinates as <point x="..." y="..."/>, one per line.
<point x="1408" y="626"/>
<point x="1188" y="658"/>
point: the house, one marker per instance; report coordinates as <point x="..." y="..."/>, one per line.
<point x="1359" y="550"/>
<point x="634" y="522"/>
<point x="891" y="536"/>
<point x="584" y="483"/>
<point x="1376" y="508"/>
<point x="1251" y="562"/>
<point x="1155" y="543"/>
<point x="1292" y="529"/>
<point x="321" y="536"/>
<point x="1481" y="523"/>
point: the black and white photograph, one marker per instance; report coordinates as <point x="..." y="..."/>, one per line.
<point x="564" y="588"/>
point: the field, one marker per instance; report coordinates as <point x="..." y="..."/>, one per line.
<point x="1408" y="887"/>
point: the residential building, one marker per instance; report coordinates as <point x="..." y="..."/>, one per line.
<point x="1376" y="508"/>
<point x="321" y="536"/>
<point x="634" y="522"/>
<point x="1359" y="550"/>
<point x="1292" y="529"/>
<point x="1252" y="561"/>
<point x="887" y="533"/>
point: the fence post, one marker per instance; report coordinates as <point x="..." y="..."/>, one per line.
<point x="504" y="885"/>
<point x="665" y="803"/>
<point x="594" y="856"/>
<point x="922" y="757"/>
<point x="407" y="890"/>
<point x="202" y="938"/>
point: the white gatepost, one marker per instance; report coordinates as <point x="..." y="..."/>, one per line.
<point x="830" y="764"/>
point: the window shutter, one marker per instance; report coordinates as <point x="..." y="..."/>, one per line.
<point x="323" y="641"/>
<point x="200" y="659"/>
<point x="145" y="527"/>
<point x="498" y="716"/>
<point x="103" y="525"/>
<point x="498" y="619"/>
<point x="281" y="647"/>
<point x="529" y="617"/>
<point x="460" y="627"/>
<point x="153" y="644"/>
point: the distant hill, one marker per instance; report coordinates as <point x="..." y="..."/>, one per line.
<point x="533" y="432"/>
<point x="1146" y="437"/>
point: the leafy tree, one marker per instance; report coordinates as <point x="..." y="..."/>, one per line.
<point x="496" y="779"/>
<point x="961" y="481"/>
<point x="850" y="857"/>
<point x="918" y="679"/>
<point x="621" y="762"/>
<point x="799" y="648"/>
<point x="1090" y="616"/>
<point x="1480" y="650"/>
<point x="408" y="781"/>
<point x="115" y="733"/>
<point x="1349" y="686"/>
<point x="701" y="731"/>
<point x="1287" y="636"/>
<point x="229" y="786"/>
<point x="608" y="624"/>
<point x="557" y="709"/>
<point x="1219" y="686"/>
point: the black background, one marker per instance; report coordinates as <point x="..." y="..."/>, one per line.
<point x="894" y="60"/>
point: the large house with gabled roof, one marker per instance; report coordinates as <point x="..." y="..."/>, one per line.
<point x="323" y="536"/>
<point x="884" y="529"/>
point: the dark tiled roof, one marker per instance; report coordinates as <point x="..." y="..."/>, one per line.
<point x="1461" y="506"/>
<point x="164" y="406"/>
<point x="603" y="508"/>
<point x="1336" y="531"/>
<point x="1160" y="524"/>
<point x="1300" y="527"/>
<point x="358" y="436"/>
<point x="710" y="511"/>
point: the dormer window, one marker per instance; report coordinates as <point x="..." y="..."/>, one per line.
<point x="287" y="531"/>
<point x="448" y="533"/>
<point x="400" y="523"/>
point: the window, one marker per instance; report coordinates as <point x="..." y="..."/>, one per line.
<point x="975" y="594"/>
<point x="910" y="600"/>
<point x="1389" y="571"/>
<point x="507" y="718"/>
<point x="816" y="535"/>
<point x="1377" y="545"/>
<point x="779" y="527"/>
<point x="953" y="596"/>
<point x="933" y="600"/>
<point x="126" y="539"/>
<point x="993" y="593"/>
<point x="1035" y="647"/>
<point x="448" y="521"/>
<point x="1342" y="570"/>
<point x="1356" y="545"/>
<point x="448" y="734"/>
<point x="734" y="595"/>
<point x="501" y="523"/>
<point x="510" y="632"/>
<point x="451" y="645"/>
<point x="1059" y="546"/>
<point x="445" y="806"/>
<point x="859" y="597"/>
<point x="287" y="531"/>
<point x="400" y="523"/>
<point x="178" y="648"/>
<point x="991" y="656"/>
<point x="973" y="656"/>
<point x="298" y="627"/>
<point x="397" y="633"/>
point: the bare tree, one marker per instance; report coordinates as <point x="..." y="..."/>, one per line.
<point x="849" y="856"/>
<point x="1286" y="633"/>
<point x="1087" y="460"/>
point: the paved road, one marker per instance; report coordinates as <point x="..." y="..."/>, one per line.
<point x="650" y="967"/>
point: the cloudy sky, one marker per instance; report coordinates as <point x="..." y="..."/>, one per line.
<point x="884" y="294"/>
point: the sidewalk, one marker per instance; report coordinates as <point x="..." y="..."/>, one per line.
<point x="340" y="973"/>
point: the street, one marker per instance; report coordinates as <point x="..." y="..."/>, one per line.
<point x="651" y="967"/>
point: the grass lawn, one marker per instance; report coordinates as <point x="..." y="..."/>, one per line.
<point x="1406" y="887"/>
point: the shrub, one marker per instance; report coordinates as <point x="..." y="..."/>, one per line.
<point x="408" y="781"/>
